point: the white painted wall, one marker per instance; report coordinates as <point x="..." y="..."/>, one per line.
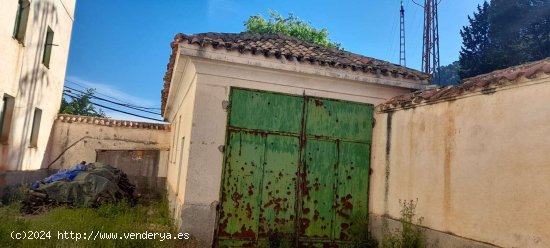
<point x="201" y="84"/>
<point x="181" y="105"/>
<point x="479" y="165"/>
<point x="23" y="76"/>
<point x="77" y="138"/>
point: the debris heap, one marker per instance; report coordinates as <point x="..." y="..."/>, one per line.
<point x="81" y="186"/>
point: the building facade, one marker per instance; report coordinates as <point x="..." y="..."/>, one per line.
<point x="34" y="39"/>
<point x="228" y="95"/>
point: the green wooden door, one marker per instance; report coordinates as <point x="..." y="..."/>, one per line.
<point x="335" y="169"/>
<point x="295" y="165"/>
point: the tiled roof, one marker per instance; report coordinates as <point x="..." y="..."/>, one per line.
<point x="482" y="83"/>
<point x="287" y="48"/>
<point x="110" y="122"/>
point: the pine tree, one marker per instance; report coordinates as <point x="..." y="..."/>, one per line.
<point x="475" y="45"/>
<point x="505" y="33"/>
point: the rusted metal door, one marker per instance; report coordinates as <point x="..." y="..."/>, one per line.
<point x="261" y="165"/>
<point x="295" y="165"/>
<point x="334" y="170"/>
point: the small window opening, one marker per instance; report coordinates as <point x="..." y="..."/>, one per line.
<point x="35" y="127"/>
<point x="8" y="105"/>
<point x="21" y="20"/>
<point x="48" y="48"/>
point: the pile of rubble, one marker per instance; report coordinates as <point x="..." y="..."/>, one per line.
<point x="84" y="185"/>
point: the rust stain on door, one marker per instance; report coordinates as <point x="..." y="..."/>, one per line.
<point x="296" y="165"/>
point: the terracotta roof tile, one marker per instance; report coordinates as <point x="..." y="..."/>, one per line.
<point x="289" y="48"/>
<point x="484" y="82"/>
<point x="111" y="122"/>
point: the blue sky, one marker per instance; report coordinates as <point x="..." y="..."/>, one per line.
<point x="121" y="47"/>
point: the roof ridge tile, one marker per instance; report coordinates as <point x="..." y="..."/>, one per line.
<point x="491" y="80"/>
<point x="111" y="122"/>
<point x="285" y="47"/>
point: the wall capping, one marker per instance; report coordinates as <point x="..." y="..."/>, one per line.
<point x="111" y="122"/>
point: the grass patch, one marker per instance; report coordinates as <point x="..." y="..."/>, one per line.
<point x="121" y="218"/>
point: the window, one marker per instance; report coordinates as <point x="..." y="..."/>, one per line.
<point x="48" y="48"/>
<point x="21" y="19"/>
<point x="6" y="117"/>
<point x="35" y="127"/>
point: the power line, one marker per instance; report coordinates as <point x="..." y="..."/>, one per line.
<point x="99" y="93"/>
<point x="120" y="104"/>
<point x="117" y="103"/>
<point x="116" y="110"/>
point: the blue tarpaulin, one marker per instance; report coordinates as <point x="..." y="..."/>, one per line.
<point x="63" y="174"/>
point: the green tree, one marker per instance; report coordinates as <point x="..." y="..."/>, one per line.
<point x="473" y="57"/>
<point x="448" y="74"/>
<point x="519" y="31"/>
<point x="505" y="33"/>
<point x="291" y="26"/>
<point x="80" y="104"/>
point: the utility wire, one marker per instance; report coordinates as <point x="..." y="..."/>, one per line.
<point x="102" y="99"/>
<point x="117" y="103"/>
<point x="99" y="93"/>
<point x="116" y="110"/>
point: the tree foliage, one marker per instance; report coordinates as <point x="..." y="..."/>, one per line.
<point x="448" y="74"/>
<point x="505" y="33"/>
<point x="80" y="105"/>
<point x="291" y="26"/>
<point x="475" y="44"/>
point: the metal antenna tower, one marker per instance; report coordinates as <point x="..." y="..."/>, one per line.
<point x="430" y="48"/>
<point x="402" y="55"/>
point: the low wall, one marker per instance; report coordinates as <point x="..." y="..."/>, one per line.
<point x="10" y="181"/>
<point x="477" y="160"/>
<point x="129" y="145"/>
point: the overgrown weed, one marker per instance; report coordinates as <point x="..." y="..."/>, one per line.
<point x="110" y="218"/>
<point x="410" y="235"/>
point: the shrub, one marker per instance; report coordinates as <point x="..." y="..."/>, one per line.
<point x="410" y="235"/>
